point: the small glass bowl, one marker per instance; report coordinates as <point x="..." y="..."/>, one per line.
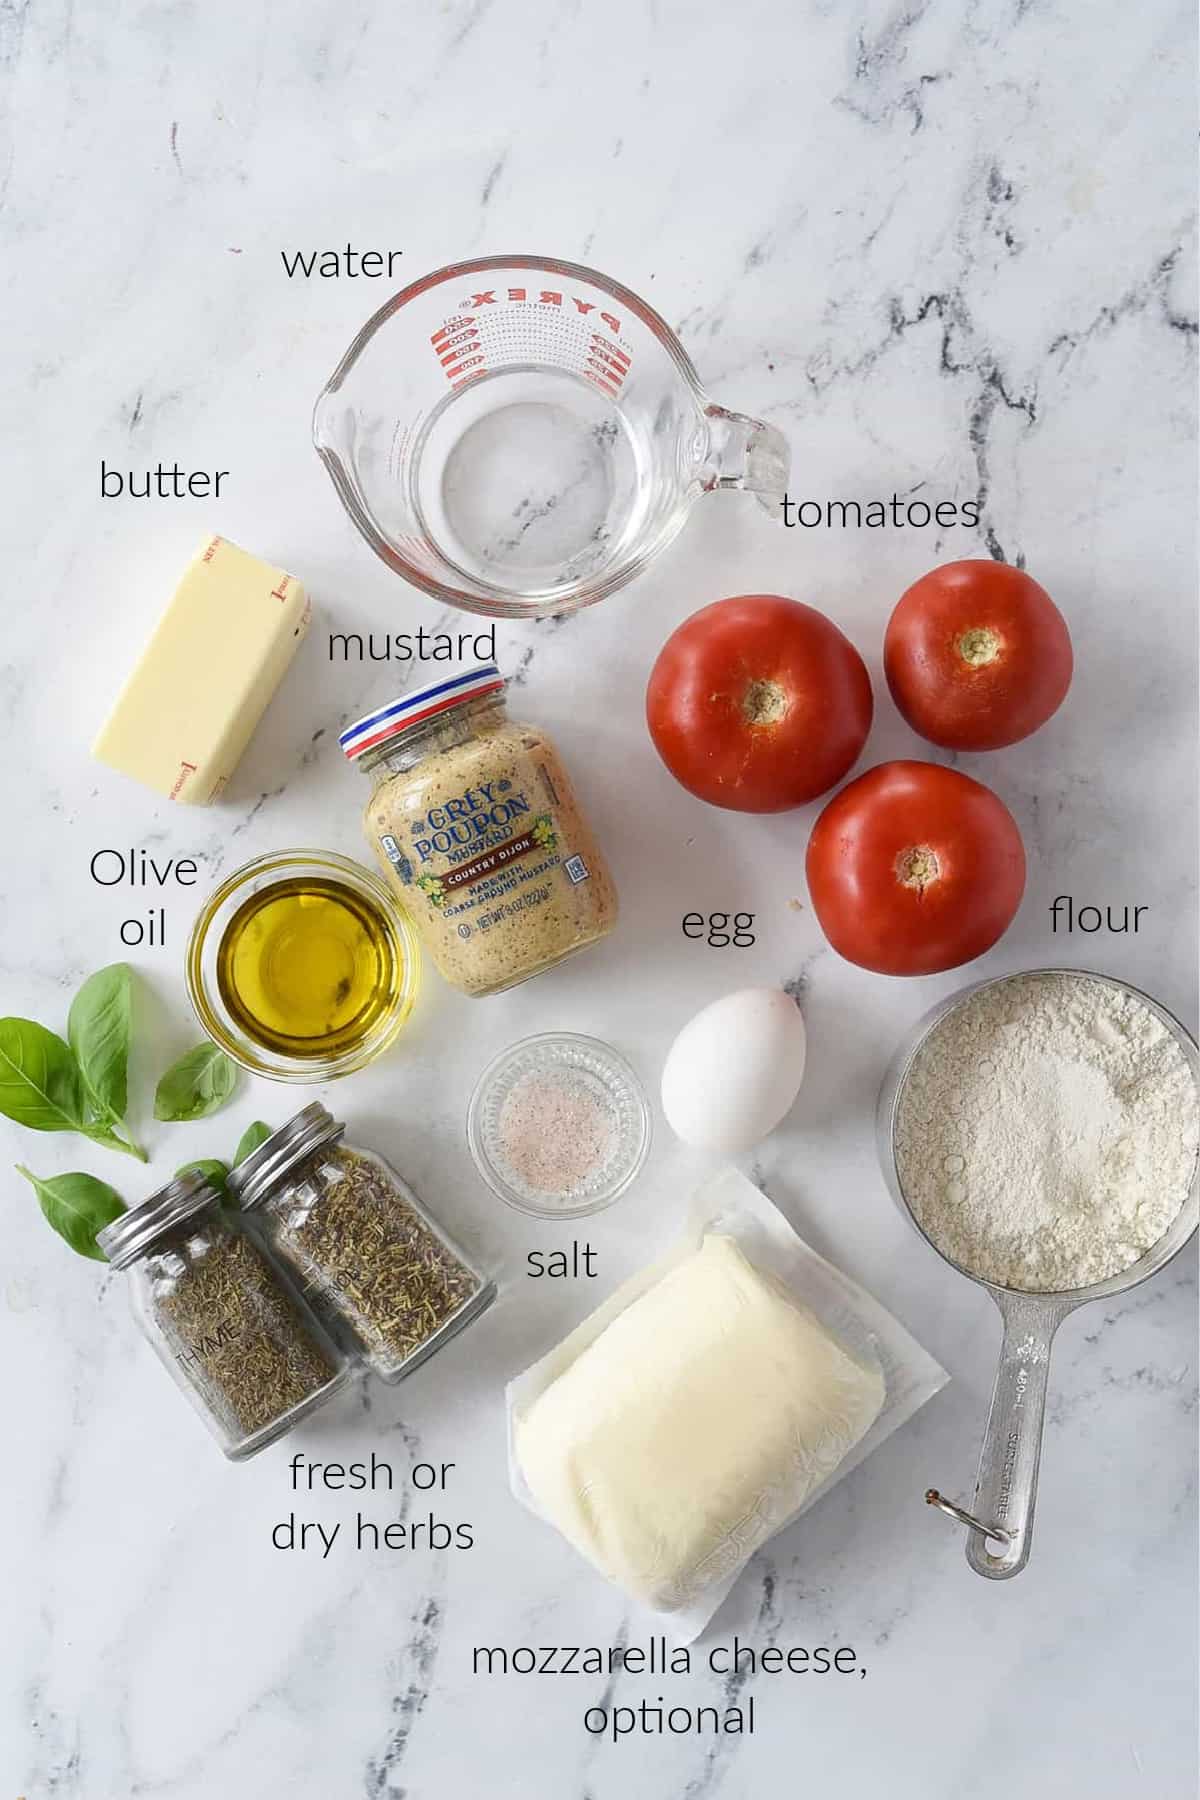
<point x="205" y="943"/>
<point x="579" y="1069"/>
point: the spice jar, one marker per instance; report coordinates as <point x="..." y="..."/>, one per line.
<point x="473" y="817"/>
<point x="368" y="1255"/>
<point x="223" y="1320"/>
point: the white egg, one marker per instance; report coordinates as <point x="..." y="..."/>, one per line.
<point x="734" y="1070"/>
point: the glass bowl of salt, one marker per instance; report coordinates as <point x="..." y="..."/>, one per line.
<point x="559" y="1125"/>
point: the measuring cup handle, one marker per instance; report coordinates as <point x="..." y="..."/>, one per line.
<point x="1006" y="1487"/>
<point x="745" y="453"/>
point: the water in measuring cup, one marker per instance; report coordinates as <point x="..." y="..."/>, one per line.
<point x="528" y="480"/>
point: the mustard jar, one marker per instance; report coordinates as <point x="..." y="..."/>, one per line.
<point x="474" y="819"/>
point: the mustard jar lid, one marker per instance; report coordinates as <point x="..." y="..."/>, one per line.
<point x="419" y="704"/>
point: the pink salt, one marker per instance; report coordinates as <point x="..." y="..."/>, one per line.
<point x="554" y="1132"/>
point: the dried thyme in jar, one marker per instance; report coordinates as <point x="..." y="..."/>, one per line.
<point x="221" y="1318"/>
<point x="368" y="1255"/>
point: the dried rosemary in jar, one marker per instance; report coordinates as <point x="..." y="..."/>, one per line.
<point x="224" y="1322"/>
<point x="369" y="1256"/>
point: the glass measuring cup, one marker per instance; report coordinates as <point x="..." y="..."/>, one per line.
<point x="519" y="436"/>
<point x="1000" y="1523"/>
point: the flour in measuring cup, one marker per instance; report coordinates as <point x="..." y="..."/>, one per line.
<point x="1047" y="1132"/>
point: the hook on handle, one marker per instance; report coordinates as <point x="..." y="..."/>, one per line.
<point x="963" y="1517"/>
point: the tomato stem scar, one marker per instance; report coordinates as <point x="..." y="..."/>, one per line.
<point x="917" y="867"/>
<point x="978" y="646"/>
<point x="764" y="703"/>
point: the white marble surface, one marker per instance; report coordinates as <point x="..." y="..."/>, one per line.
<point x="944" y="245"/>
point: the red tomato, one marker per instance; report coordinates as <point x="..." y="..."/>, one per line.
<point x="915" y="868"/>
<point x="977" y="656"/>
<point x="758" y="703"/>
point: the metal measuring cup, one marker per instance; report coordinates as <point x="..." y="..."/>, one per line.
<point x="1000" y="1524"/>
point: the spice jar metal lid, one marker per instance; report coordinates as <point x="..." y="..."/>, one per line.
<point x="135" y="1231"/>
<point x="253" y="1178"/>
<point x="417" y="705"/>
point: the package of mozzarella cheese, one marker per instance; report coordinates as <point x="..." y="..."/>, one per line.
<point x="707" y="1403"/>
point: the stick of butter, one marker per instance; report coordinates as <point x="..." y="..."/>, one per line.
<point x="218" y="653"/>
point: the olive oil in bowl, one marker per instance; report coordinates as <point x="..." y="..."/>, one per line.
<point x="308" y="967"/>
<point x="301" y="966"/>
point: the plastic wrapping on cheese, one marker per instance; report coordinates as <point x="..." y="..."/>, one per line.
<point x="218" y="653"/>
<point x="699" y="1419"/>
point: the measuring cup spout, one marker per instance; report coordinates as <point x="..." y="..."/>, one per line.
<point x="745" y="453"/>
<point x="326" y="421"/>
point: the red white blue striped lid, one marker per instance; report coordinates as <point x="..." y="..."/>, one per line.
<point x="418" y="704"/>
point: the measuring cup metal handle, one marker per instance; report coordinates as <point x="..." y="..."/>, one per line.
<point x="1006" y="1487"/>
<point x="745" y="453"/>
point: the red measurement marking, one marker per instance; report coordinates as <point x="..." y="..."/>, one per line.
<point x="601" y="382"/>
<point x="609" y="371"/>
<point x="280" y="593"/>
<point x="455" y="374"/>
<point x="456" y="356"/>
<point x="616" y="359"/>
<point x="601" y="353"/>
<point x="450" y="325"/>
<point x="459" y="337"/>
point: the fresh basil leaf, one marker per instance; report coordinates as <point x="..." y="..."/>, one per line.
<point x="198" y="1084"/>
<point x="40" y="1083"/>
<point x="251" y="1138"/>
<point x="78" y="1206"/>
<point x="212" y="1169"/>
<point x="99" y="1027"/>
<point x="111" y="1140"/>
<point x="41" y="1086"/>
